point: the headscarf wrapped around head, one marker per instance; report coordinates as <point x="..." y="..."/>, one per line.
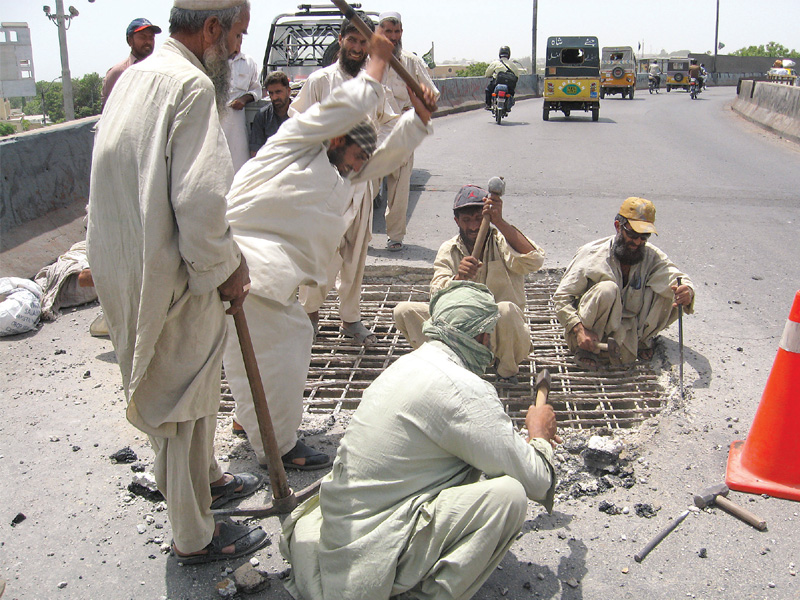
<point x="459" y="313"/>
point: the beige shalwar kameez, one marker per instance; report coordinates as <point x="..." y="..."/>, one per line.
<point x="244" y="80"/>
<point x="404" y="509"/>
<point x="503" y="272"/>
<point x="345" y="267"/>
<point x="159" y="247"/>
<point x="398" y="183"/>
<point x="592" y="293"/>
<point x="288" y="209"/>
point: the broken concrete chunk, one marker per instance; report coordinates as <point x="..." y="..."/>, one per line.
<point x="144" y="485"/>
<point x="226" y="588"/>
<point x="601" y="452"/>
<point x="126" y="455"/>
<point x="249" y="580"/>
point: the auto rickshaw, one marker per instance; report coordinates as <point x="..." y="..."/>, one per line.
<point x="572" y="76"/>
<point x="678" y="73"/>
<point x="617" y="71"/>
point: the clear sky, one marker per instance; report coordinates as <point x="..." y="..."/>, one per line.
<point x="470" y="29"/>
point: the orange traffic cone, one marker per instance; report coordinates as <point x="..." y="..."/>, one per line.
<point x="769" y="461"/>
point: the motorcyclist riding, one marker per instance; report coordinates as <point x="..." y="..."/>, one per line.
<point x="695" y="72"/>
<point x="655" y="74"/>
<point x="503" y="70"/>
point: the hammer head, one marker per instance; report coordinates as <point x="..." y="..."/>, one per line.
<point x="708" y="496"/>
<point x="496" y="186"/>
<point x="614" y="352"/>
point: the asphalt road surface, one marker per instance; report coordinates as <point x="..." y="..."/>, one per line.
<point x="727" y="213"/>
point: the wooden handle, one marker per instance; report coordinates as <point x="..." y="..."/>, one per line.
<point x="542" y="387"/>
<point x="277" y="474"/>
<point x="480" y="241"/>
<point x="412" y="83"/>
<point x="741" y="513"/>
<point x="639" y="557"/>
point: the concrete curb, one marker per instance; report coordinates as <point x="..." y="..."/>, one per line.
<point x="772" y="106"/>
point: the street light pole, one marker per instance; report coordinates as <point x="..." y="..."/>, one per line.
<point x="716" y="43"/>
<point x="533" y="37"/>
<point x="66" y="78"/>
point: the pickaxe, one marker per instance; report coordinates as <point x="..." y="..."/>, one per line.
<point x="284" y="500"/>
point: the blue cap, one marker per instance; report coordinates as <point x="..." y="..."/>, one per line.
<point x="139" y="25"/>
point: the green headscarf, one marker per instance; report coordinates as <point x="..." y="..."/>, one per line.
<point x="459" y="313"/>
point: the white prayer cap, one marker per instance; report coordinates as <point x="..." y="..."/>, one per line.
<point x="389" y="15"/>
<point x="207" y="4"/>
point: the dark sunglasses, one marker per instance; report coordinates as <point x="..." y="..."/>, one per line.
<point x="633" y="235"/>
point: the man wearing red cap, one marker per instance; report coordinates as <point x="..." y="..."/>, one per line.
<point x="621" y="287"/>
<point x="141" y="37"/>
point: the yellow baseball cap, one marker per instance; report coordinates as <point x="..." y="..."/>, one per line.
<point x="641" y="214"/>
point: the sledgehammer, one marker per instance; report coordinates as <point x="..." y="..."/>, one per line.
<point x="716" y="495"/>
<point x="612" y="347"/>
<point x="496" y="188"/>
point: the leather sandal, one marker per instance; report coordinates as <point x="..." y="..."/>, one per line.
<point x="227" y="492"/>
<point x="245" y="540"/>
<point x="314" y="460"/>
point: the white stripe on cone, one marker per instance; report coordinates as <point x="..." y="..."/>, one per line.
<point x="791" y="337"/>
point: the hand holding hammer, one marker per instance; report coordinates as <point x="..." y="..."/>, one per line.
<point x="496" y="188"/>
<point x="541" y="419"/>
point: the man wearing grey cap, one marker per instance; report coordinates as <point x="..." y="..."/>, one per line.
<point x="507" y="257"/>
<point x="288" y="211"/>
<point x="164" y="260"/>
<point x="141" y="37"/>
<point x="398" y="183"/>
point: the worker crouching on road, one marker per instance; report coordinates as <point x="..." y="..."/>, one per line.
<point x="622" y="287"/>
<point x="507" y="257"/>
<point x="404" y="508"/>
<point x="287" y="210"/>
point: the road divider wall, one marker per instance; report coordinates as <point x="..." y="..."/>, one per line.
<point x="460" y="94"/>
<point x="44" y="170"/>
<point x="773" y="106"/>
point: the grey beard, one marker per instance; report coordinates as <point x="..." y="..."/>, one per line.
<point x="398" y="49"/>
<point x="625" y="256"/>
<point x="215" y="60"/>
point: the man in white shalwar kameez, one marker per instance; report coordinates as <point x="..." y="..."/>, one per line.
<point x="405" y="512"/>
<point x="622" y="287"/>
<point x="288" y="210"/>
<point x="345" y="265"/>
<point x="398" y="184"/>
<point x="163" y="260"/>
<point x="244" y="89"/>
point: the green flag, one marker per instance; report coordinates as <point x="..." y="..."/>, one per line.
<point x="428" y="58"/>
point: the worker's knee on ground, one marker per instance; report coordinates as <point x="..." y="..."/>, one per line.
<point x="508" y="493"/>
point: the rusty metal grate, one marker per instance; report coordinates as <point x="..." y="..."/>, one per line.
<point x="614" y="398"/>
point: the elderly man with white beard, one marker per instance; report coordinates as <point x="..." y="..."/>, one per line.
<point x="164" y="260"/>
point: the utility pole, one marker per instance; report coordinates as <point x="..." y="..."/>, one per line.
<point x="533" y="37"/>
<point x="61" y="19"/>
<point x="716" y="43"/>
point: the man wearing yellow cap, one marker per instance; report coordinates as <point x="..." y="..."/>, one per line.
<point x="621" y="287"/>
<point x="164" y="261"/>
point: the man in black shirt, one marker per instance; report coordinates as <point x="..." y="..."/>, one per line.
<point x="270" y="117"/>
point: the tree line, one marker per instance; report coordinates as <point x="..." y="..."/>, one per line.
<point x="86" y="96"/>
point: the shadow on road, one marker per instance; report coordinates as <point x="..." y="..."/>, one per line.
<point x="419" y="177"/>
<point x="693" y="359"/>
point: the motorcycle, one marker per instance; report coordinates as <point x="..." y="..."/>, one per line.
<point x="652" y="84"/>
<point x="694" y="89"/>
<point x="502" y="101"/>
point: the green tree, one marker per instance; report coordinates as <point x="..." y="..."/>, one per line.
<point x="86" y="92"/>
<point x="7" y="129"/>
<point x="772" y="49"/>
<point x="53" y="101"/>
<point x="474" y="70"/>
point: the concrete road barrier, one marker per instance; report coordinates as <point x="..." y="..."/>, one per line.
<point x="773" y="106"/>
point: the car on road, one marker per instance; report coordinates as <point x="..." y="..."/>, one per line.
<point x="299" y="43"/>
<point x="617" y="71"/>
<point x="572" y="76"/>
<point x="678" y="73"/>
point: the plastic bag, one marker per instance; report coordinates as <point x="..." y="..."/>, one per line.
<point x="20" y="305"/>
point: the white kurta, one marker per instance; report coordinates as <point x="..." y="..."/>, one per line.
<point x="244" y="80"/>
<point x="398" y="183"/>
<point x="424" y="431"/>
<point x="158" y="242"/>
<point x="350" y="259"/>
<point x="288" y="211"/>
